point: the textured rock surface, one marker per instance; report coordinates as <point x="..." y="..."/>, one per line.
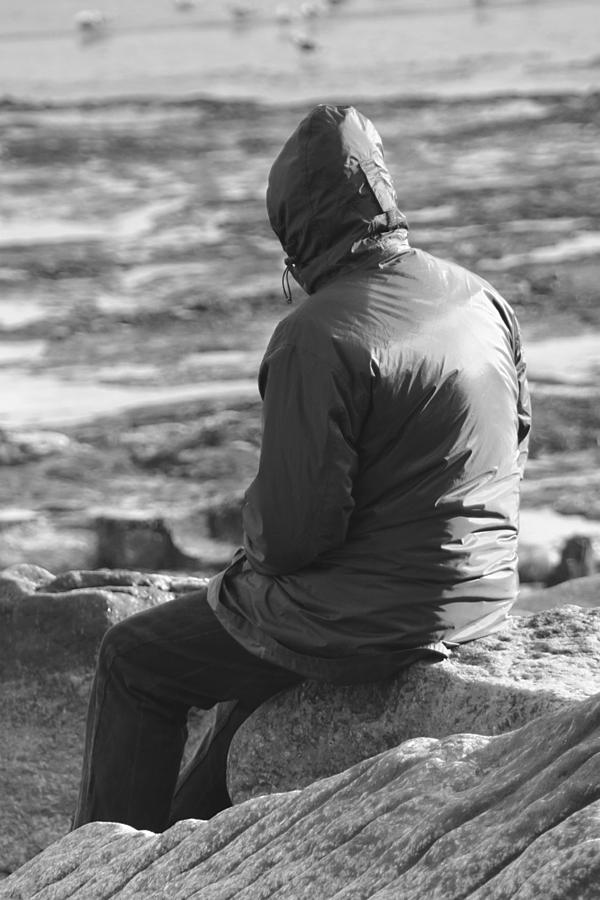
<point x="483" y="818"/>
<point x="50" y="629"/>
<point x="55" y="623"/>
<point x="535" y="665"/>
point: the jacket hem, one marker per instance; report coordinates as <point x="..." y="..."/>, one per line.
<point x="357" y="668"/>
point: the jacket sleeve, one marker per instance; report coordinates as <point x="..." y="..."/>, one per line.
<point x="300" y="503"/>
<point x="523" y="402"/>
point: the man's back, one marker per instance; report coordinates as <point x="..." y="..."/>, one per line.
<point x="402" y="380"/>
<point x="438" y="445"/>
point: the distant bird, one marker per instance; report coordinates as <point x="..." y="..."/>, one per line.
<point x="304" y="42"/>
<point x="92" y="25"/>
<point x="184" y="5"/>
<point x="88" y="20"/>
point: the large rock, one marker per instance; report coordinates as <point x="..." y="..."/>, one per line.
<point x="468" y="816"/>
<point x="549" y="565"/>
<point x="535" y="665"/>
<point x="577" y="560"/>
<point x="50" y="628"/>
<point x="56" y="623"/>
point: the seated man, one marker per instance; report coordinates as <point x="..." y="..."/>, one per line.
<point x="382" y="524"/>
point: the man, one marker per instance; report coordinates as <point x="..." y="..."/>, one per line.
<point x="382" y="524"/>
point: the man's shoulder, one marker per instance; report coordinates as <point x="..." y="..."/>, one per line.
<point x="425" y="259"/>
<point x="314" y="315"/>
<point x="303" y="329"/>
<point x="472" y="282"/>
<point x="327" y="327"/>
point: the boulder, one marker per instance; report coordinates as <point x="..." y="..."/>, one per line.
<point x="577" y="560"/>
<point x="134" y="539"/>
<point x="549" y="564"/>
<point x="50" y="623"/>
<point x="50" y="628"/>
<point x="534" y="665"/>
<point x="137" y="540"/>
<point x="224" y="518"/>
<point x="465" y="816"/>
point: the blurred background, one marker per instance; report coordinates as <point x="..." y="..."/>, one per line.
<point x="139" y="280"/>
<point x="280" y="52"/>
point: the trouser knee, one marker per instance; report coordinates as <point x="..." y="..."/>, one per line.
<point x="112" y="646"/>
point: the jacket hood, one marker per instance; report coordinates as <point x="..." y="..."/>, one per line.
<point x="328" y="190"/>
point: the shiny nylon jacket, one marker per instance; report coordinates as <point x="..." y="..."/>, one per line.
<point x="384" y="515"/>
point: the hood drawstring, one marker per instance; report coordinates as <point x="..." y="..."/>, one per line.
<point x="285" y="280"/>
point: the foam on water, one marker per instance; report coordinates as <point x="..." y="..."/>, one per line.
<point x="12" y="352"/>
<point x="45" y="401"/>
<point x="30" y="232"/>
<point x="565" y="361"/>
<point x="544" y="526"/>
<point x="15" y="313"/>
<point x="579" y="246"/>
<point x="23" y="233"/>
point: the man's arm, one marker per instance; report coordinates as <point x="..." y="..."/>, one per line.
<point x="300" y="503"/>
<point x="523" y="402"/>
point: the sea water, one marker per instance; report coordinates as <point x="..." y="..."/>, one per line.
<point x="360" y="48"/>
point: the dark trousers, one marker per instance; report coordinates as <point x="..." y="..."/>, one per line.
<point x="152" y="668"/>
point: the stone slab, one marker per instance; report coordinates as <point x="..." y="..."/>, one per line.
<point x="465" y="816"/>
<point x="55" y="623"/>
<point x="534" y="665"/>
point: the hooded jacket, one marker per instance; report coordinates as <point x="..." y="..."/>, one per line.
<point x="383" y="521"/>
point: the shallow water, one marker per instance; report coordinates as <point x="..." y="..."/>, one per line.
<point x="46" y="401"/>
<point x="18" y="352"/>
<point x="547" y="528"/>
<point x="364" y="48"/>
<point x="579" y="246"/>
<point x="566" y="361"/>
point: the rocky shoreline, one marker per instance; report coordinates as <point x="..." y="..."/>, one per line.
<point x="139" y="285"/>
<point x="140" y="282"/>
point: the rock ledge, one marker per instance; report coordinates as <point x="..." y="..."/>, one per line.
<point x="468" y="816"/>
<point x="535" y="665"/>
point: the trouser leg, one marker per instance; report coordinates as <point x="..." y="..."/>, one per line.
<point x="201" y="790"/>
<point x="152" y="668"/>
